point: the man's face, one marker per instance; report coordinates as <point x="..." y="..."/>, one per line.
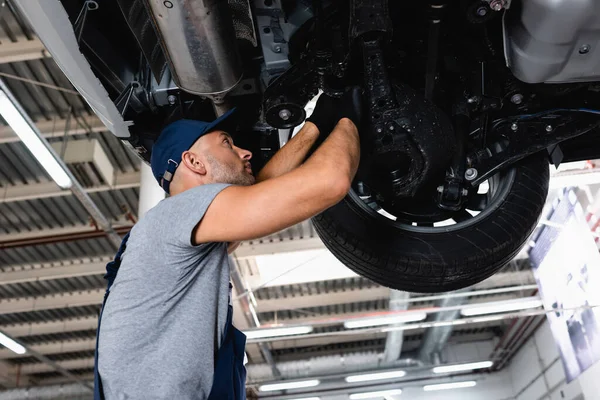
<point x="226" y="163"/>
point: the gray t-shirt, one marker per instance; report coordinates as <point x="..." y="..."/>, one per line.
<point x="164" y="319"/>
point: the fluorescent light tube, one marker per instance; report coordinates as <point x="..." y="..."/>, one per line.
<point x="375" y="395"/>
<point x="288" y="385"/>
<point x="462" y="367"/>
<point x="274" y="332"/>
<point x="308" y="398"/>
<point x="446" y="386"/>
<point x="501" y="306"/>
<point x="24" y="131"/>
<point x="11" y="344"/>
<point x="375" y="377"/>
<point x="385" y="320"/>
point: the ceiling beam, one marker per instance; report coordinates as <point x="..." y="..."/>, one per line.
<point x="65" y="346"/>
<point x="57" y="326"/>
<point x="80" y="363"/>
<point x="57" y="235"/>
<point x="57" y="128"/>
<point x="22" y="50"/>
<point x="44" y="190"/>
<point x="323" y="299"/>
<point x="50" y="302"/>
<point x="286" y="245"/>
<point x="53" y="272"/>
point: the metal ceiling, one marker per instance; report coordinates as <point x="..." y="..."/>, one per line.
<point x="52" y="255"/>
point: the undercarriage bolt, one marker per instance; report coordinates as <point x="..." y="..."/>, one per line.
<point x="391" y="127"/>
<point x="482" y="11"/>
<point x="379" y="130"/>
<point x="171" y="99"/>
<point x="440" y="189"/>
<point x="497" y="5"/>
<point x="277" y="49"/>
<point x="465" y="192"/>
<point x="285" y="114"/>
<point x="548" y="128"/>
<point x="516" y="98"/>
<point x="584" y="49"/>
<point x="514" y="127"/>
<point x="470" y="174"/>
<point x="473" y="99"/>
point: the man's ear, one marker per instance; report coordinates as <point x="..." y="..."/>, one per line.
<point x="193" y="162"/>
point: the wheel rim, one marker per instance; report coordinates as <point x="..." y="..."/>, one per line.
<point x="499" y="186"/>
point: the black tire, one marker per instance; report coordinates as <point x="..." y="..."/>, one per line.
<point x="406" y="258"/>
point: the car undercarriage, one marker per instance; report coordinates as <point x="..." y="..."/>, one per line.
<point x="465" y="104"/>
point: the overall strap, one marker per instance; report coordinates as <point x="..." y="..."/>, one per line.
<point x="112" y="268"/>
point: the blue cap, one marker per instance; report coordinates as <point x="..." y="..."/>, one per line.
<point x="176" y="138"/>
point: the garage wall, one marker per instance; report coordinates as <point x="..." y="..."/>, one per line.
<point x="536" y="372"/>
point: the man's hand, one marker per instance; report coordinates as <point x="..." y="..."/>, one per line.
<point x="329" y="111"/>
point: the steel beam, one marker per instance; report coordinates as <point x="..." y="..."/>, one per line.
<point x="22" y="50"/>
<point x="80" y="363"/>
<point x="58" y="326"/>
<point x="45" y="190"/>
<point x="53" y="348"/>
<point x="47" y="272"/>
<point x="58" y="235"/>
<point x="57" y="128"/>
<point x="258" y="248"/>
<point x="324" y="299"/>
<point x="50" y="302"/>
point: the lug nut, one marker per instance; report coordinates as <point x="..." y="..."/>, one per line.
<point x="285" y="114"/>
<point x="470" y="174"/>
<point x="516" y="98"/>
<point x="497" y="5"/>
<point x="548" y="128"/>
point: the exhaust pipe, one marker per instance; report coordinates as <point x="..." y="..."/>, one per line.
<point x="199" y="41"/>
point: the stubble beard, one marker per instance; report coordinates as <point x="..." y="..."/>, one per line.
<point x="223" y="173"/>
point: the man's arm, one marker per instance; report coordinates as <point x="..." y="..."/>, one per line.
<point x="291" y="155"/>
<point x="249" y="212"/>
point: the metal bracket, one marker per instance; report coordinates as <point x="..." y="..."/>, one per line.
<point x="515" y="138"/>
<point x="89" y="5"/>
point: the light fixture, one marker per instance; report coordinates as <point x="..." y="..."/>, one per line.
<point x="308" y="398"/>
<point x="274" y="332"/>
<point x="375" y="376"/>
<point x="15" y="118"/>
<point x="375" y="395"/>
<point x="462" y="367"/>
<point x="11" y="344"/>
<point x="385" y="320"/>
<point x="446" y="386"/>
<point x="288" y="385"/>
<point x="501" y="306"/>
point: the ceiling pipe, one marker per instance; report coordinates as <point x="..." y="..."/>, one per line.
<point x="436" y="337"/>
<point x="328" y="365"/>
<point x="394" y="340"/>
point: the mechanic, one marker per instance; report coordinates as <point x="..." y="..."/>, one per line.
<point x="165" y="330"/>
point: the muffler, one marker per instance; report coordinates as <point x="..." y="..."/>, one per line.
<point x="198" y="39"/>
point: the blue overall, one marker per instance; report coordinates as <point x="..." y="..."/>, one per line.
<point x="229" y="382"/>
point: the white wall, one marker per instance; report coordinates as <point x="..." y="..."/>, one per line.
<point x="536" y="372"/>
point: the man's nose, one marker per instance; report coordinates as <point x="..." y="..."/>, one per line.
<point x="244" y="154"/>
